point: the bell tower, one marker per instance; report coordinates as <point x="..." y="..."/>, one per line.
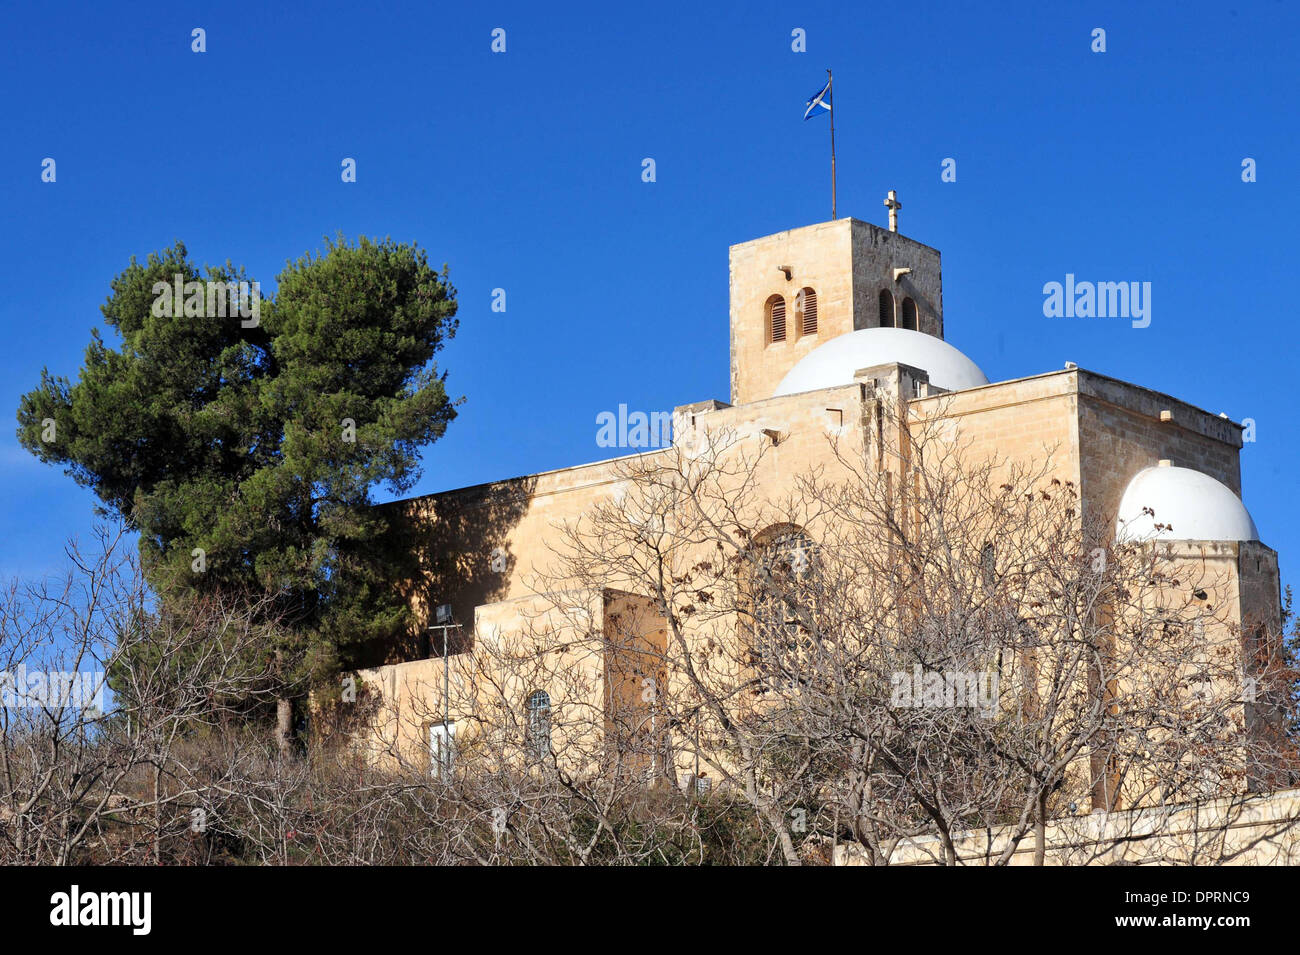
<point x="795" y="290"/>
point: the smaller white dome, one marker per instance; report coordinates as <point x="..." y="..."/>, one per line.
<point x="1188" y="505"/>
<point x="834" y="363"/>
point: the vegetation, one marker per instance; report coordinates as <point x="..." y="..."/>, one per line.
<point x="242" y="439"/>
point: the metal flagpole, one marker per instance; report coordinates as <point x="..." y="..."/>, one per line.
<point x="830" y="95"/>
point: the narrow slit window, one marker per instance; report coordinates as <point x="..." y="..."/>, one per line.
<point x="538" y="725"/>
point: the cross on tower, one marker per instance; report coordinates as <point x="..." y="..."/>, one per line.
<point x="894" y="205"/>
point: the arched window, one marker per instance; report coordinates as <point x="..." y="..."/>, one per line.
<point x="775" y="319"/>
<point x="537" y="727"/>
<point x="886" y="308"/>
<point x="805" y="310"/>
<point x="784" y="593"/>
<point x="909" y="314"/>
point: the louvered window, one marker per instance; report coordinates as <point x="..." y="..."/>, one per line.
<point x="776" y="319"/>
<point x="909" y="314"/>
<point x="807" y="301"/>
<point x="886" y="308"/>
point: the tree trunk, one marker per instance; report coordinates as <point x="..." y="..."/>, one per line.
<point x="284" y="726"/>
<point x="157" y="809"/>
<point x="1040" y="830"/>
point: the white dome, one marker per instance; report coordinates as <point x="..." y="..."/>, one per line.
<point x="1190" y="505"/>
<point x="834" y="363"/>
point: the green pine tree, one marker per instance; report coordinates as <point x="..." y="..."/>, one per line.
<point x="244" y="448"/>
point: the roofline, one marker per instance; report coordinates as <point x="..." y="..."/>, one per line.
<point x="813" y="225"/>
<point x="500" y="482"/>
<point x="1089" y="373"/>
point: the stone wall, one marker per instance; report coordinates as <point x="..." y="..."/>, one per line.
<point x="1255" y="830"/>
<point x="1121" y="428"/>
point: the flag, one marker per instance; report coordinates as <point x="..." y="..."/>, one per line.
<point x="821" y="100"/>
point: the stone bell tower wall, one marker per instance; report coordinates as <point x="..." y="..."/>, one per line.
<point x="847" y="263"/>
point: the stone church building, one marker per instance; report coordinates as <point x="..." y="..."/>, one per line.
<point x="832" y="325"/>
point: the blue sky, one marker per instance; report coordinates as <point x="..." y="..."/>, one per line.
<point x="522" y="170"/>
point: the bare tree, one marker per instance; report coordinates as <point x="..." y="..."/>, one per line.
<point x="908" y="654"/>
<point x="89" y="774"/>
<point x="938" y="660"/>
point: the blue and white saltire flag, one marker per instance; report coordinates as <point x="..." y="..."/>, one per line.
<point x="820" y="101"/>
